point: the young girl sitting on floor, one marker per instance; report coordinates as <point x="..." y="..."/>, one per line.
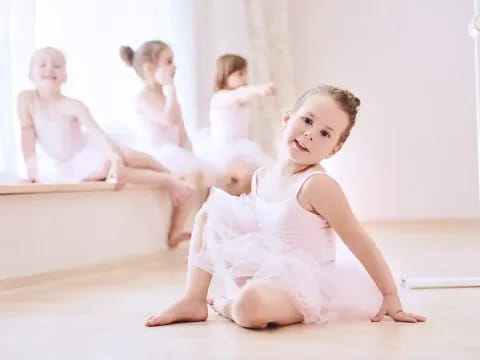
<point x="275" y="251"/>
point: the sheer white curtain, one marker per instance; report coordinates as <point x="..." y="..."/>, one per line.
<point x="6" y="121"/>
<point x="90" y="34"/>
<point x="16" y="44"/>
<point x="267" y="30"/>
<point x="258" y="30"/>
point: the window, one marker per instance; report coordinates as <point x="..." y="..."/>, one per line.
<point x="90" y="33"/>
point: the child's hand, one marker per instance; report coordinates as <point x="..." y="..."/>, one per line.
<point x="392" y="307"/>
<point x="116" y="171"/>
<point x="269" y="89"/>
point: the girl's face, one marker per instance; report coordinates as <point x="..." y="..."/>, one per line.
<point x="165" y="68"/>
<point x="48" y="69"/>
<point x="312" y="132"/>
<point x="237" y="79"/>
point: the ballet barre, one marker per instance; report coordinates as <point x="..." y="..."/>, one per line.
<point x="441" y="282"/>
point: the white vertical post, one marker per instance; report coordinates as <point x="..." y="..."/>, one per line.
<point x="476" y="64"/>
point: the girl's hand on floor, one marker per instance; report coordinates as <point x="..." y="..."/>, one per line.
<point x="391" y="306"/>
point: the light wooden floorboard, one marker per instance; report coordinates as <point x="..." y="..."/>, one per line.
<point x="101" y="316"/>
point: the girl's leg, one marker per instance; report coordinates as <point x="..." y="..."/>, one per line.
<point x="135" y="171"/>
<point x="179" y="190"/>
<point x="132" y="159"/>
<point x="259" y="304"/>
<point x="136" y="159"/>
<point x="182" y="213"/>
<point x="192" y="306"/>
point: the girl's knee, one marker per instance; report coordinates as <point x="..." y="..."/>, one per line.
<point x="253" y="296"/>
<point x="248" y="320"/>
<point x="250" y="308"/>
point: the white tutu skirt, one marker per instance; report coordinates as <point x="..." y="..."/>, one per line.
<point x="223" y="153"/>
<point x="177" y="159"/>
<point x="89" y="159"/>
<point x="236" y="251"/>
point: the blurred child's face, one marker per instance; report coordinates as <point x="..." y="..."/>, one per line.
<point x="312" y="132"/>
<point x="237" y="79"/>
<point x="48" y="69"/>
<point x="165" y="70"/>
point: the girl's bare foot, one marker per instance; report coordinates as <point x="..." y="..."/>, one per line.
<point x="180" y="191"/>
<point x="222" y="306"/>
<point x="177" y="237"/>
<point x="185" y="310"/>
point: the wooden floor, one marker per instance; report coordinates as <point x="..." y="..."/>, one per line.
<point x="101" y="316"/>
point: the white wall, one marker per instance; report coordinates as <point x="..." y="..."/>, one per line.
<point x="413" y="153"/>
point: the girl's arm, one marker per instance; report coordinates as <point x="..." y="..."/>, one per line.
<point x="242" y="95"/>
<point x="174" y="112"/>
<point x="154" y="109"/>
<point x="100" y="137"/>
<point x="328" y="200"/>
<point x="28" y="135"/>
<point x="168" y="114"/>
<point x="185" y="142"/>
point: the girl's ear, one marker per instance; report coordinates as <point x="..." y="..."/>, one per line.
<point x="148" y="68"/>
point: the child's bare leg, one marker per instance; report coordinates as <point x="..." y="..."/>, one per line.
<point x="182" y="213"/>
<point x="180" y="216"/>
<point x="136" y="159"/>
<point x="179" y="190"/>
<point x="192" y="306"/>
<point x="222" y="305"/>
<point x="262" y="303"/>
